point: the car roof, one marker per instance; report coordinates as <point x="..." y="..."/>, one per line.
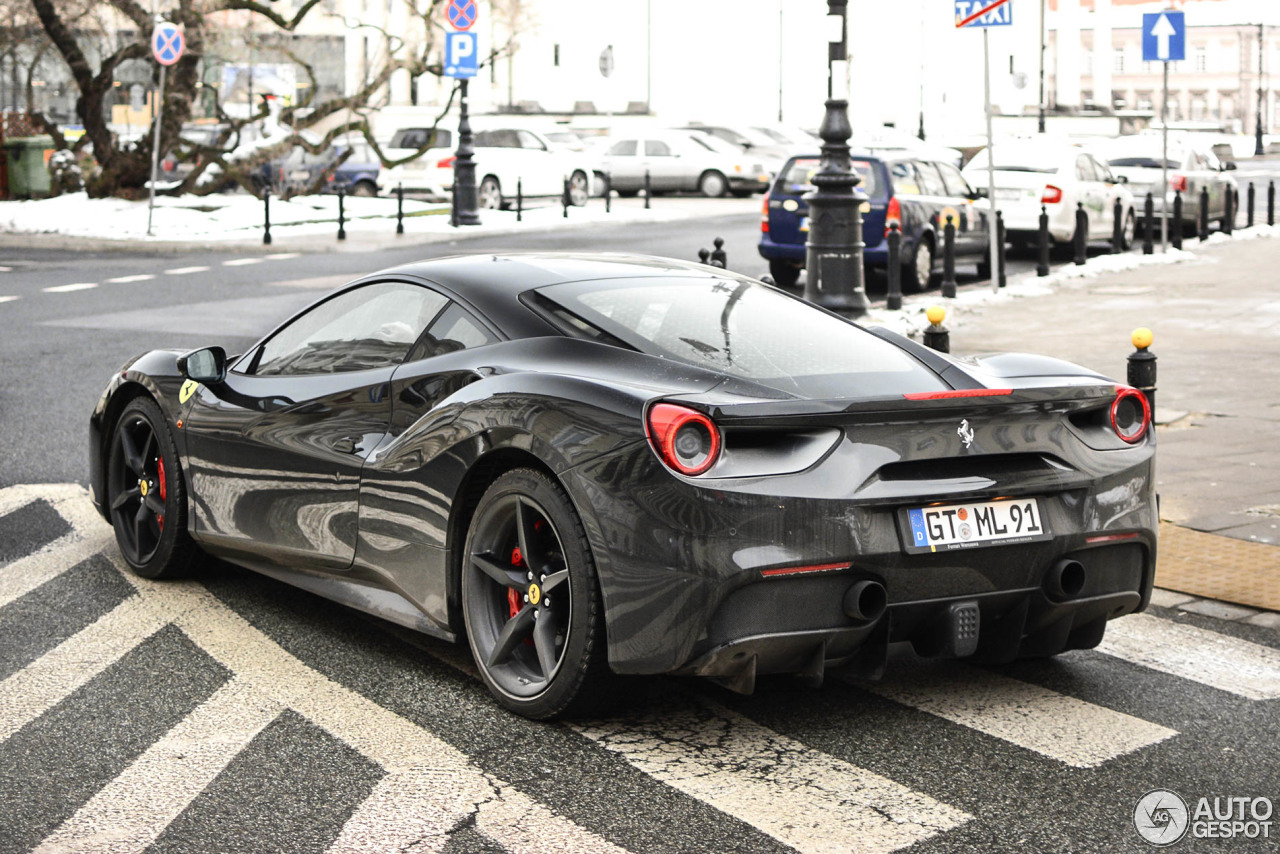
<point x="490" y="283"/>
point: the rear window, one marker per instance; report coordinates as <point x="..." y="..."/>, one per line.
<point x="422" y="137"/>
<point x="795" y="179"/>
<point x="1141" y="162"/>
<point x="746" y="330"/>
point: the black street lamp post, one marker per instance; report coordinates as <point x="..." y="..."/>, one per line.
<point x="833" y="252"/>
<point x="1258" y="148"/>
<point x="464" y="167"/>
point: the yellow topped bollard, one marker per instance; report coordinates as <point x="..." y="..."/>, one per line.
<point x="1142" y="365"/>
<point x="937" y="337"/>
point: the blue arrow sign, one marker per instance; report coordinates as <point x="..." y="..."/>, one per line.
<point x="167" y="43"/>
<point x="461" y="57"/>
<point x="1164" y="37"/>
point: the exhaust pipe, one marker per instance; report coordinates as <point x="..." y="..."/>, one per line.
<point x="866" y="601"/>
<point x="1065" y="579"/>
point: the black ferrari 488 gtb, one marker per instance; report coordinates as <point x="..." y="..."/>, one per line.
<point x="600" y="464"/>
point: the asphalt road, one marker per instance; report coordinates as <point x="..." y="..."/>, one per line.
<point x="233" y="713"/>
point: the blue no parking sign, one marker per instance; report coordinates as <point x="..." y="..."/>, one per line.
<point x="460" y="55"/>
<point x="167" y="43"/>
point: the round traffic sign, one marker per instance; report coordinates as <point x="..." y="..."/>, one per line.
<point x="167" y="43"/>
<point x="461" y="14"/>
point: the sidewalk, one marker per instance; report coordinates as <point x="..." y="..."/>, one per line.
<point x="1216" y="320"/>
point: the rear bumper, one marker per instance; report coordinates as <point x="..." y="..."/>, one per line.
<point x="872" y="256"/>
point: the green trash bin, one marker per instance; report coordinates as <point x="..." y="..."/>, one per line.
<point x="28" y="158"/>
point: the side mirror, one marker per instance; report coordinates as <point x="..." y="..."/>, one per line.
<point x="978" y="193"/>
<point x="1229" y="166"/>
<point x="207" y="365"/>
<point x="1122" y="179"/>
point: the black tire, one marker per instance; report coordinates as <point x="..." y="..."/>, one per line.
<point x="147" y="495"/>
<point x="579" y="189"/>
<point x="713" y="184"/>
<point x="1129" y="233"/>
<point x="917" y="270"/>
<point x="364" y="188"/>
<point x="785" y="274"/>
<point x="525" y="525"/>
<point x="628" y="194"/>
<point x="489" y="197"/>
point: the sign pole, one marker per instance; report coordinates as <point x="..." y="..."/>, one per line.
<point x="1164" y="165"/>
<point x="993" y="244"/>
<point x="155" y="148"/>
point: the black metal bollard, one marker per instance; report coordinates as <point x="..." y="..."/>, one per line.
<point x="949" y="258"/>
<point x="564" y="199"/>
<point x="1271" y="203"/>
<point x="1204" y="213"/>
<point x="936" y="336"/>
<point x="1252" y="202"/>
<point x="1229" y="204"/>
<point x="1142" y="366"/>
<point x="608" y="193"/>
<point x="1117" y="228"/>
<point x="266" y="216"/>
<point x="1042" y="243"/>
<point x="399" y="208"/>
<point x="342" y="216"/>
<point x="1175" y="227"/>
<point x="519" y="200"/>
<point x="1082" y="234"/>
<point x="704" y="256"/>
<point x="1149" y="225"/>
<point x="893" y="300"/>
<point x="648" y="192"/>
<point x="719" y="258"/>
<point x="1000" y="241"/>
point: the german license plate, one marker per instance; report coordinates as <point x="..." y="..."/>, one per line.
<point x="947" y="527"/>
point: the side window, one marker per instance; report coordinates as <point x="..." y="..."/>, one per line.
<point x="370" y="327"/>
<point x="1084" y="169"/>
<point x="505" y="139"/>
<point x="625" y="148"/>
<point x="528" y="140"/>
<point x="454" y="330"/>
<point x="930" y="181"/>
<point x="956" y="184"/>
<point x="656" y="148"/>
<point x="905" y="180"/>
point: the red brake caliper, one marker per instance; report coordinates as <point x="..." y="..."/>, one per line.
<point x="163" y="489"/>
<point x="513" y="598"/>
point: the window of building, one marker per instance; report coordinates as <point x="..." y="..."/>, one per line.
<point x="1199" y="107"/>
<point x="1117" y="60"/>
<point x="1144" y="101"/>
<point x="1201" y="56"/>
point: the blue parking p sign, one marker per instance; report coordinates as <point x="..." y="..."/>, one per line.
<point x="1164" y="37"/>
<point x="460" y="55"/>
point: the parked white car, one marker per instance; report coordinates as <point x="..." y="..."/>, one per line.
<point x="507" y="158"/>
<point x="1059" y="177"/>
<point x="682" y="160"/>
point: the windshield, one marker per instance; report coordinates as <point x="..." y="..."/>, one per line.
<point x="1014" y="159"/>
<point x="795" y="179"/>
<point x="746" y="330"/>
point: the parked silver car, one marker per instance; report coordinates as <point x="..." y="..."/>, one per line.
<point x="682" y="160"/>
<point x="1191" y="169"/>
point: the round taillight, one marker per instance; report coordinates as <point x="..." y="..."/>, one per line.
<point x="1130" y="415"/>
<point x="686" y="440"/>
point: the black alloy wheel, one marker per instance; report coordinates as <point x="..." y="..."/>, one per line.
<point x="146" y="494"/>
<point x="530" y="600"/>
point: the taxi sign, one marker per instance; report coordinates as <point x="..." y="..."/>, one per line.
<point x="167" y="43"/>
<point x="972" y="14"/>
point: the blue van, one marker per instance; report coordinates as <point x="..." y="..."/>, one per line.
<point x="918" y="194"/>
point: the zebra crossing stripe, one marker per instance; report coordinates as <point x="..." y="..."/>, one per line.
<point x="1072" y="731"/>
<point x="1220" y="661"/>
<point x="130" y="812"/>
<point x="802" y="797"/>
<point x="444" y="775"/>
<point x="48" y="680"/>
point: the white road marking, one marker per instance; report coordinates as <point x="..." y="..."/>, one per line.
<point x="76" y="286"/>
<point x="89" y="536"/>
<point x="1064" y="728"/>
<point x="6" y="269"/>
<point x="50" y="679"/>
<point x="1217" y="660"/>
<point x="804" y="798"/>
<point x="8" y="298"/>
<point x="130" y="812"/>
<point x="241" y="262"/>
<point x="182" y="271"/>
<point x="282" y="256"/>
<point x="140" y="277"/>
